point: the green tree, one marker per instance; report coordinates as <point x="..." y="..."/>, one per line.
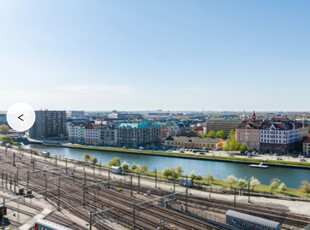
<point x="125" y="166"/>
<point x="179" y="170"/>
<point x="273" y="186"/>
<point x="133" y="167"/>
<point x="211" y="134"/>
<point x="6" y="139"/>
<point x="94" y="160"/>
<point x="282" y="188"/>
<point x="191" y="133"/>
<point x="192" y="175"/>
<point x="244" y="148"/>
<point x="115" y="162"/>
<point x="86" y="157"/>
<point x="241" y="182"/>
<point x="235" y="145"/>
<point x="305" y="187"/>
<point x="199" y="177"/>
<point x="232" y="135"/>
<point x="167" y="173"/>
<point x="227" y="145"/>
<point x="277" y="180"/>
<point x="4" y="129"/>
<point x="221" y="134"/>
<point x="144" y="168"/>
<point x="210" y="179"/>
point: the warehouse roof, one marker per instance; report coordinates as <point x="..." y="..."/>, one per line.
<point x="253" y="219"/>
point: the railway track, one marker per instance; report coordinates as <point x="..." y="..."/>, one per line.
<point x="71" y="195"/>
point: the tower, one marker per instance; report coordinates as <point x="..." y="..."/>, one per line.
<point x="253" y="116"/>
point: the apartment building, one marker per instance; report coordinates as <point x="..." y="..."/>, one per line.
<point x="138" y="134"/>
<point x="279" y="135"/>
<point x="49" y="124"/>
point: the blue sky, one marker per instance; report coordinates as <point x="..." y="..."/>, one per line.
<point x="163" y="54"/>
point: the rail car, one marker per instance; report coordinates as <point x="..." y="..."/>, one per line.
<point x="187" y="182"/>
<point x="46" y="154"/>
<point x="244" y="221"/>
<point x="3" y="211"/>
<point x="116" y="170"/>
<point x="48" y="225"/>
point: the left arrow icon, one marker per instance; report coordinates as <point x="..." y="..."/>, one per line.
<point x="20" y="117"/>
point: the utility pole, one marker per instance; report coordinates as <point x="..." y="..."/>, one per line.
<point x="249" y="184"/>
<point x="14" y="159"/>
<point x="134" y="217"/>
<point x="131" y="185"/>
<point x="84" y="188"/>
<point x="155" y="178"/>
<point x="186" y="199"/>
<point x="6" y="179"/>
<point x="2" y="178"/>
<point x="90" y="220"/>
<point x="28" y="175"/>
<point x="45" y="186"/>
<point x="139" y="183"/>
<point x="173" y="182"/>
<point x="59" y="194"/>
<point x="235" y="199"/>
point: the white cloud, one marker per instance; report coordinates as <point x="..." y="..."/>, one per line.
<point x="95" y="88"/>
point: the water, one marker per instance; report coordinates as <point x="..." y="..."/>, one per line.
<point x="292" y="177"/>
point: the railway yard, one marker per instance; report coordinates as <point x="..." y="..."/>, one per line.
<point x="89" y="197"/>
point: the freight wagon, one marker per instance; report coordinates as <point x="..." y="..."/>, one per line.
<point x="244" y="221"/>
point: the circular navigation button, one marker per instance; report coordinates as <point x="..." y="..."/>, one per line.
<point x="21" y="117"/>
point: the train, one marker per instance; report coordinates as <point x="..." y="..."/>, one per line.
<point x="3" y="211"/>
<point x="48" y="225"/>
<point x="116" y="169"/>
<point x="187" y="182"/>
<point x="244" y="221"/>
<point x="46" y="154"/>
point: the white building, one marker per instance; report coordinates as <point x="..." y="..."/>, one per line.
<point x="92" y="134"/>
<point x="76" y="132"/>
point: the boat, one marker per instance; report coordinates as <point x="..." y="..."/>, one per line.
<point x="261" y="165"/>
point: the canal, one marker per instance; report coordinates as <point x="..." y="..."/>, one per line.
<point x="292" y="177"/>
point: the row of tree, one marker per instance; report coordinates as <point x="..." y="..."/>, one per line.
<point x="6" y="139"/>
<point x="126" y="167"/>
<point x="175" y="173"/>
<point x="87" y="158"/>
<point x="218" y="134"/>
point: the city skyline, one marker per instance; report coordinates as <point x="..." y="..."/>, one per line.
<point x="156" y="55"/>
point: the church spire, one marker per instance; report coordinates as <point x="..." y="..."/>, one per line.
<point x="253" y="116"/>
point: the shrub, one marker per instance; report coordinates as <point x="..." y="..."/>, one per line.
<point x="210" y="179"/>
<point x="125" y="166"/>
<point x="231" y="179"/>
<point x="282" y="188"/>
<point x="115" y="162"/>
<point x="241" y="182"/>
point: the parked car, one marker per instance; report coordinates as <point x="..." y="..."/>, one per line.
<point x="303" y="160"/>
<point x="279" y="159"/>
